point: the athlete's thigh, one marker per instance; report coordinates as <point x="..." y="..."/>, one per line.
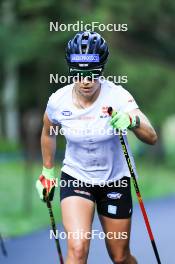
<point x="117" y="234"/>
<point x="77" y="214"/>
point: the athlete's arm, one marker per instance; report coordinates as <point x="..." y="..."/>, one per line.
<point x="48" y="143"/>
<point x="145" y="132"/>
<point x="46" y="182"/>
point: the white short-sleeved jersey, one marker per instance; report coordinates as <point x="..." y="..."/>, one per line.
<point x="93" y="151"/>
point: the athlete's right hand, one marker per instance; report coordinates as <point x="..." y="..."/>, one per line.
<point x="46" y="183"/>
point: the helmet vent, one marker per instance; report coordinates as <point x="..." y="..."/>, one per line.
<point x="85" y="37"/>
<point x="83" y="48"/>
<point x="75" y="40"/>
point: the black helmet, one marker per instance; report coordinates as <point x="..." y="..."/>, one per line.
<point x="94" y="48"/>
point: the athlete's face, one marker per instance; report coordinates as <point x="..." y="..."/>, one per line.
<point x="87" y="88"/>
<point x="86" y="81"/>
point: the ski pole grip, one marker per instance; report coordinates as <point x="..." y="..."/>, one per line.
<point x="110" y="111"/>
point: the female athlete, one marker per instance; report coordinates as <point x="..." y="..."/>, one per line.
<point x="94" y="171"/>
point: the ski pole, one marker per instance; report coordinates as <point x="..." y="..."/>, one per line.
<point x="52" y="221"/>
<point x="4" y="251"/>
<point x="128" y="160"/>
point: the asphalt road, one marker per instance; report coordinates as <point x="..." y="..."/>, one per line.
<point x="38" y="248"/>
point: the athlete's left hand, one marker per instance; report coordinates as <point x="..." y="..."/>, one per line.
<point x="122" y="121"/>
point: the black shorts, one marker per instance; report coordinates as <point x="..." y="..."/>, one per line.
<point x="113" y="200"/>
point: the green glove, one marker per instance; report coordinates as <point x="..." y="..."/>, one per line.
<point x="46" y="183"/>
<point x="123" y="121"/>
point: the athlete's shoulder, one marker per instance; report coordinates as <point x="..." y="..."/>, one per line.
<point x="115" y="88"/>
<point x="56" y="98"/>
<point x="121" y="97"/>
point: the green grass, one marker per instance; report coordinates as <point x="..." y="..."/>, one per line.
<point x="155" y="180"/>
<point x="17" y="218"/>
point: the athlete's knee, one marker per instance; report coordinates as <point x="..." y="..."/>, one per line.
<point x="120" y="260"/>
<point x="78" y="249"/>
<point x="124" y="259"/>
<point x="120" y="257"/>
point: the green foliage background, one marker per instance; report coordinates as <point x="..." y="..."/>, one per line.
<point x="145" y="53"/>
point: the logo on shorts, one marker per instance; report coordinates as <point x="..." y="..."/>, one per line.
<point x="112" y="209"/>
<point x="66" y="113"/>
<point x="114" y="195"/>
<point x="82" y="192"/>
<point x="130" y="211"/>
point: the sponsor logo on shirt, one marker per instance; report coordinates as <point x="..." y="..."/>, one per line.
<point x="86" y="117"/>
<point x="114" y="195"/>
<point x="104" y="111"/>
<point x="66" y="113"/>
<point x="130" y="100"/>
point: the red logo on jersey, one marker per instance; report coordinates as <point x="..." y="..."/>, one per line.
<point x="104" y="112"/>
<point x="131" y="100"/>
<point x="105" y="109"/>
